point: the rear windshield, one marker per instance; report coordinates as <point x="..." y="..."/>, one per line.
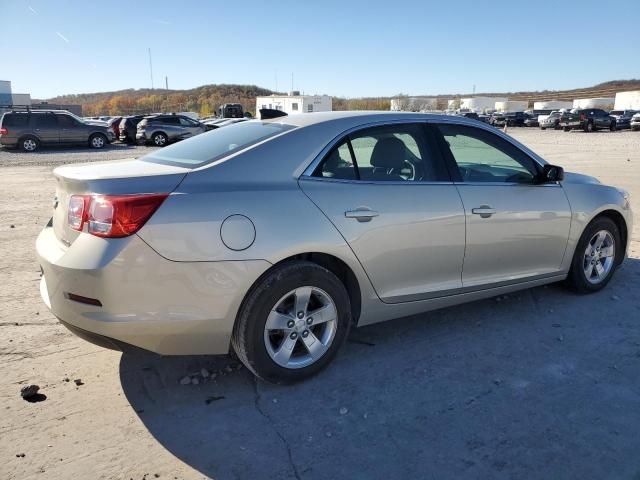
<point x="211" y="146"/>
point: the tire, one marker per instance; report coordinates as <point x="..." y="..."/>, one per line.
<point x="567" y="129"/>
<point x="258" y="347"/>
<point x="589" y="127"/>
<point x="97" y="141"/>
<point x="159" y="139"/>
<point x="613" y="127"/>
<point x="29" y="144"/>
<point x="543" y="128"/>
<point x="577" y="279"/>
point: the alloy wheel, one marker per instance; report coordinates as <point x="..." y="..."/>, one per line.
<point x="300" y="327"/>
<point x="29" y="145"/>
<point x="599" y="257"/>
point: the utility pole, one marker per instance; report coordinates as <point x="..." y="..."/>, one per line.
<point x="150" y="69"/>
<point x="166" y="82"/>
<point x="292" y="83"/>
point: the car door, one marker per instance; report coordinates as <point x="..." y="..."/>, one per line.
<point x="388" y="192"/>
<point x="45" y="127"/>
<point x="190" y="127"/>
<point x="516" y="227"/>
<point x="72" y="131"/>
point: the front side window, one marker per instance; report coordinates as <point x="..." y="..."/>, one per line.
<point x="187" y="122"/>
<point x="482" y="156"/>
<point x="393" y="153"/>
<point x="65" y="121"/>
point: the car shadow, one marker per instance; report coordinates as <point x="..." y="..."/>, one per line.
<point x="57" y="149"/>
<point x="492" y="389"/>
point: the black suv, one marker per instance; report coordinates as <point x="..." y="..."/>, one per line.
<point x="129" y="127"/>
<point x="29" y="130"/>
<point x="587" y="119"/>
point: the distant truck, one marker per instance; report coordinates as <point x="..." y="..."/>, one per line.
<point x="587" y="119"/>
<point x="230" y="110"/>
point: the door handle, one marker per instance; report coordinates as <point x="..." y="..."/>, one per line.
<point x="485" y="211"/>
<point x="362" y="215"/>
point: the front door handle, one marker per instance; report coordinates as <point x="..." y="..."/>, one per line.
<point x="362" y="215"/>
<point x="485" y="211"/>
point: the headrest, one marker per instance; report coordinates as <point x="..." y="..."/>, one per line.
<point x="389" y="152"/>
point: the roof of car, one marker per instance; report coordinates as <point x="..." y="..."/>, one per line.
<point x="360" y="117"/>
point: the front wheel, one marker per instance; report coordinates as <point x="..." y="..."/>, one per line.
<point x="596" y="256"/>
<point x="292" y="323"/>
<point x="589" y="127"/>
<point x="97" y="140"/>
<point x="567" y="129"/>
<point x="613" y="127"/>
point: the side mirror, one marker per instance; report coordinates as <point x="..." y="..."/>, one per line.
<point x="552" y="173"/>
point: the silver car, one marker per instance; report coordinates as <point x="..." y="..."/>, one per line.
<point x="275" y="237"/>
<point x="160" y="130"/>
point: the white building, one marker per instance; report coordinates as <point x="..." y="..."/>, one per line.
<point x="295" y="103"/>
<point x="512" y="106"/>
<point x="602" y="102"/>
<point x="414" y="104"/>
<point x="627" y="100"/>
<point x="480" y="104"/>
<point x="552" y="105"/>
<point x="7" y="97"/>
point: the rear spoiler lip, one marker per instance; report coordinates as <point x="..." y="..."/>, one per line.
<point x="269" y="113"/>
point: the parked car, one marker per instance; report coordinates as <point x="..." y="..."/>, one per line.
<point x="550" y="121"/>
<point x="623" y="118"/>
<point x="30" y="130"/>
<point x="531" y="120"/>
<point x="635" y="122"/>
<point x="498" y="119"/>
<point x="128" y="128"/>
<point x="516" y="119"/>
<point x="160" y="130"/>
<point x="472" y="115"/>
<point x="275" y="237"/>
<point x="587" y="119"/>
<point x="114" y="123"/>
<point x="231" y="110"/>
<point x="223" y="122"/>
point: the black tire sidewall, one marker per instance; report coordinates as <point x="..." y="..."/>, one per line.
<point x="249" y="331"/>
<point x="577" y="279"/>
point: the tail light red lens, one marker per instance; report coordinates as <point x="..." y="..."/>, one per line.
<point x="113" y="216"/>
<point x="3" y="131"/>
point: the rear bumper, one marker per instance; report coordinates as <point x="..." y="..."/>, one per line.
<point x="171" y="308"/>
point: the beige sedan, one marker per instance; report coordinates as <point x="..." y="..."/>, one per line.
<point x="275" y="237"/>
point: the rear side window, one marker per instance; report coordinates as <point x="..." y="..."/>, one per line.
<point x="216" y="144"/>
<point x="44" y="120"/>
<point x="15" y="120"/>
<point x="65" y="121"/>
<point x="167" y="120"/>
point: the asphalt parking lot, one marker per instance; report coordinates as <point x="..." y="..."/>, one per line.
<point x="540" y="384"/>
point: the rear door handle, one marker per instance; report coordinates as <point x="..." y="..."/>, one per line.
<point x="485" y="211"/>
<point x="361" y="215"/>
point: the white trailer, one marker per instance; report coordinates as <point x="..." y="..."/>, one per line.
<point x="511" y="106"/>
<point x="552" y="105"/>
<point x="627" y="100"/>
<point x="295" y="103"/>
<point x="480" y="104"/>
<point x="602" y="102"/>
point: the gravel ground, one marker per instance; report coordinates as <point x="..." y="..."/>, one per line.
<point x="540" y="384"/>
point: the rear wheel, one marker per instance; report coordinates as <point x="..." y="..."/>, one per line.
<point x="543" y="128"/>
<point x="567" y="129"/>
<point x="97" y="140"/>
<point x="159" y="139"/>
<point x="596" y="256"/>
<point x="292" y="323"/>
<point x="613" y="127"/>
<point x="29" y="144"/>
<point x="589" y="127"/>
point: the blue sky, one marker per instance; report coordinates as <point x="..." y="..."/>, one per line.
<point x="343" y="48"/>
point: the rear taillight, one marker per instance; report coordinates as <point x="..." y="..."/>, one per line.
<point x="3" y="131"/>
<point x="112" y="216"/>
<point x="77" y="212"/>
<point x="583" y="116"/>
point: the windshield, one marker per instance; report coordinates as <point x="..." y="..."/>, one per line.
<point x="216" y="144"/>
